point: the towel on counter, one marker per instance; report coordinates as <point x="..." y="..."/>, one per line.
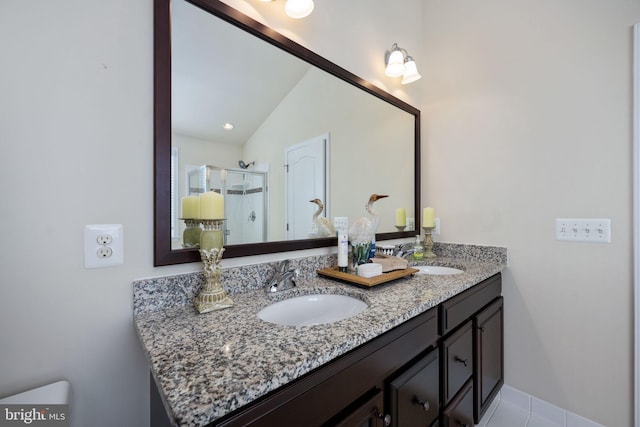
<point x="390" y="263"/>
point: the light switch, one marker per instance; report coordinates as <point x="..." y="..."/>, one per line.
<point x="594" y="230"/>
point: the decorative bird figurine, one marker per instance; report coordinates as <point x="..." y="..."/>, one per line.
<point x="364" y="229"/>
<point x="324" y="226"/>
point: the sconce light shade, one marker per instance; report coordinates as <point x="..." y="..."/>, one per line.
<point x="298" y="8"/>
<point x="410" y="73"/>
<point x="395" y="64"/>
<point x="399" y="63"/>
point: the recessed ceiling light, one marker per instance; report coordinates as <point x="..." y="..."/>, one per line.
<point x="228" y="126"/>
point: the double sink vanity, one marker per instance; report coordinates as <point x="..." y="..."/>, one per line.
<point x="425" y="349"/>
<point x="421" y="350"/>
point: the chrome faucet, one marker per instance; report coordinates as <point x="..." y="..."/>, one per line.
<point x="403" y="249"/>
<point x="283" y="279"/>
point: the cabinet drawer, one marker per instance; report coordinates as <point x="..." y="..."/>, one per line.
<point x="460" y="411"/>
<point x="415" y="394"/>
<point x="369" y="414"/>
<point x="457" y="358"/>
<point x="461" y="307"/>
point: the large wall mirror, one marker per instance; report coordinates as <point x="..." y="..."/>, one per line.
<point x="303" y="128"/>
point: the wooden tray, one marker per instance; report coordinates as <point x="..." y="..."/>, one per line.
<point x="333" y="273"/>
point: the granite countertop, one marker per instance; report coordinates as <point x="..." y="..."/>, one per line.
<point x="207" y="365"/>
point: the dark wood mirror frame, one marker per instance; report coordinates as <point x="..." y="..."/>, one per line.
<point x="163" y="254"/>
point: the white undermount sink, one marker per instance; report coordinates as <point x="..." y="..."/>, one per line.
<point x="437" y="270"/>
<point x="316" y="309"/>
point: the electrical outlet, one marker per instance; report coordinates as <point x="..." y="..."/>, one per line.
<point x="595" y="230"/>
<point x="104" y="252"/>
<point x="104" y="239"/>
<point x="103" y="245"/>
<point x="341" y="223"/>
<point x="436" y="229"/>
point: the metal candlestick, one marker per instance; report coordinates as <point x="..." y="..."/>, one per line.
<point x="428" y="242"/>
<point x="212" y="297"/>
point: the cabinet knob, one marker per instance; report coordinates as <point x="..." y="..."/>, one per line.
<point x="425" y="405"/>
<point x="461" y="424"/>
<point x="462" y="361"/>
<point x="386" y="419"/>
<point x="481" y="328"/>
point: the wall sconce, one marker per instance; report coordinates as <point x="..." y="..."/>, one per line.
<point x="399" y="63"/>
<point x="296" y="8"/>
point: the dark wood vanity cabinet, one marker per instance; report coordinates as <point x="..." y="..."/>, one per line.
<point x="472" y="351"/>
<point x="350" y="390"/>
<point x="440" y="368"/>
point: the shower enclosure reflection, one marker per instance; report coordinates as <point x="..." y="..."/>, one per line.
<point x="245" y="200"/>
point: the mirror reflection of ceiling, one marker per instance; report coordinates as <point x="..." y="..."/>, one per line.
<point x="216" y="68"/>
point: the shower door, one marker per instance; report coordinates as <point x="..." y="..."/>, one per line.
<point x="245" y="200"/>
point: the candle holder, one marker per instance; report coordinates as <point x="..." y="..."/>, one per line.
<point x="212" y="297"/>
<point x="191" y="234"/>
<point x="401" y="227"/>
<point x="428" y="242"/>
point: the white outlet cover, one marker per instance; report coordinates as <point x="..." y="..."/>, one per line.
<point x="92" y="246"/>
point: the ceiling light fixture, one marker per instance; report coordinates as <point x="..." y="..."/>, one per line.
<point x="296" y="8"/>
<point x="399" y="63"/>
<point x="228" y="126"/>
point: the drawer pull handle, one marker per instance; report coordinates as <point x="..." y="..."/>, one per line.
<point x="386" y="419"/>
<point x="425" y="405"/>
<point x="462" y="361"/>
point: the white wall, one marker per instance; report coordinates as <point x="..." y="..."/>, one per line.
<point x="355" y="125"/>
<point x="527" y="114"/>
<point x="76" y="147"/>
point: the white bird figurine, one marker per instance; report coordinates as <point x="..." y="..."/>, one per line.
<point x="324" y="226"/>
<point x="364" y="229"/>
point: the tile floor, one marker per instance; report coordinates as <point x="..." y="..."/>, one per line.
<point x="513" y="408"/>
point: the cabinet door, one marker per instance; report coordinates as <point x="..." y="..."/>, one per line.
<point x="460" y="412"/>
<point x="369" y="414"/>
<point x="457" y="361"/>
<point x="414" y="395"/>
<point x="489" y="356"/>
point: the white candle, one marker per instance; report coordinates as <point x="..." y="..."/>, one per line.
<point x="211" y="205"/>
<point x="401" y="217"/>
<point x="427" y="217"/>
<point x="190" y="207"/>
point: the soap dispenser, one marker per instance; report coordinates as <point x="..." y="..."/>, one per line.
<point x="418" y="249"/>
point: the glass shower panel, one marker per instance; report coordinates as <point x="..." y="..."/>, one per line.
<point x="245" y="200"/>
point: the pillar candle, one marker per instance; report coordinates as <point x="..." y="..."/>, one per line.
<point x="401" y="217"/>
<point x="190" y="207"/>
<point x="211" y="205"/>
<point x="427" y="217"/>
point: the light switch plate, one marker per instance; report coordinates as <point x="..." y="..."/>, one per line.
<point x="594" y="230"/>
